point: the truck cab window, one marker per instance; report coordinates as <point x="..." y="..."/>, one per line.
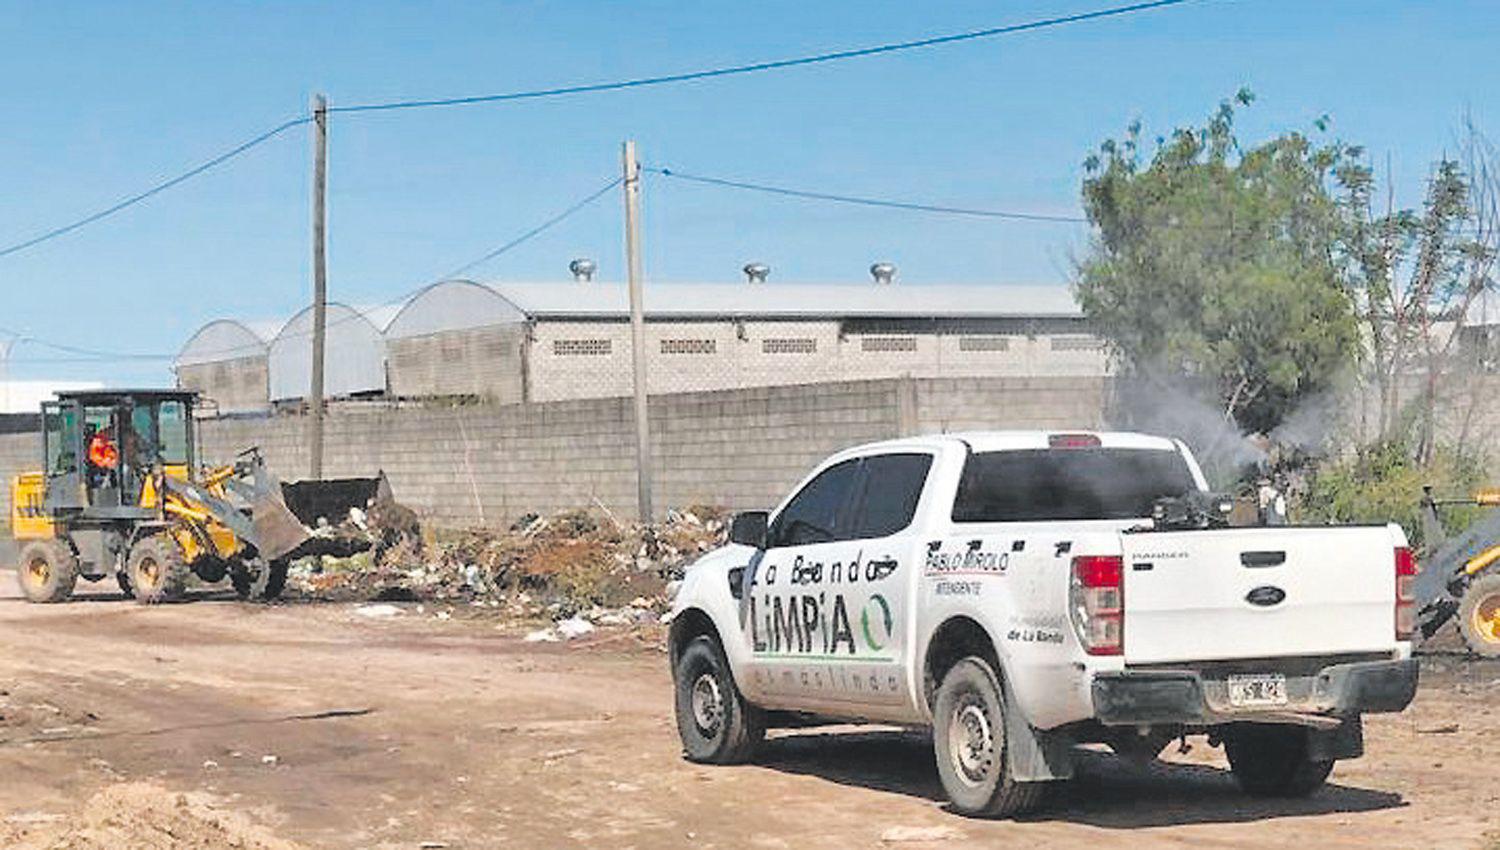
<point x="892" y="486"/>
<point x="819" y="512"/>
<point x="1076" y="484"/>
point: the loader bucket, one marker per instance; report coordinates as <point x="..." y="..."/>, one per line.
<point x="301" y="518"/>
<point x="278" y="532"/>
<point x="318" y="508"/>
<point x="328" y="501"/>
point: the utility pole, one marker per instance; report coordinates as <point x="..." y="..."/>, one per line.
<point x="637" y="330"/>
<point x="320" y="280"/>
<point x="5" y="351"/>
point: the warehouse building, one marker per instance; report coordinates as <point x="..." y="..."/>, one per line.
<point x="532" y="342"/>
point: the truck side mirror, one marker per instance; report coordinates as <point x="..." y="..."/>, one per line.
<point x="748" y="528"/>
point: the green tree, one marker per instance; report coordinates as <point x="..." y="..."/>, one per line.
<point x="1217" y="266"/>
<point x="1413" y="275"/>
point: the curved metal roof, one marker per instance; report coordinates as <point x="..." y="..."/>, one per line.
<point x="225" y="339"/>
<point x="451" y="305"/>
<point x="355" y="361"/>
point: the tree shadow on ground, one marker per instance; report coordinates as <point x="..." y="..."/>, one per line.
<point x="1106" y="792"/>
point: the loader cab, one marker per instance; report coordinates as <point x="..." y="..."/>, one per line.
<point x="101" y="446"/>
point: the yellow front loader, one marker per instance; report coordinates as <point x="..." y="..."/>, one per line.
<point x="120" y="495"/>
<point x="1461" y="576"/>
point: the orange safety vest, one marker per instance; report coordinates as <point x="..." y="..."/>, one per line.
<point x="102" y="451"/>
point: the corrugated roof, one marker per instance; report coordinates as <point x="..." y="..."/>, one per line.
<point x="792" y="300"/>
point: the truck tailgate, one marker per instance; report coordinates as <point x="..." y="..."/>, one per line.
<point x="1258" y="593"/>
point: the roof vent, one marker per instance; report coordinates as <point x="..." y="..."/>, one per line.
<point x="583" y="269"/>
<point x="757" y="272"/>
<point x="884" y="273"/>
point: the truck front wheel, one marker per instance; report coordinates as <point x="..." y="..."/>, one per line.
<point x="715" y="723"/>
<point x="1271" y="761"/>
<point x="969" y="737"/>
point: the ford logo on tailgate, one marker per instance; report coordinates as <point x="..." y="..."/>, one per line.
<point x="1265" y="596"/>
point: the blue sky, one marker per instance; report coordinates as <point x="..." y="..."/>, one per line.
<point x="103" y="99"/>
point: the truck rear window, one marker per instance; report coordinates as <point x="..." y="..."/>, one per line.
<point x="1048" y="484"/>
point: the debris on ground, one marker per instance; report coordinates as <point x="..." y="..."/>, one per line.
<point x="576" y="569"/>
<point x="378" y="611"/>
<point x="141" y="816"/>
<point x="900" y="834"/>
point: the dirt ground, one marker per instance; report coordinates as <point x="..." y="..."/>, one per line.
<point x="219" y="724"/>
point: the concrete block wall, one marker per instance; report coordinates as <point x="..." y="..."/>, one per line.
<point x="485" y="362"/>
<point x="18" y="453"/>
<point x="974" y="404"/>
<point x="744" y="448"/>
<point x="237" y="385"/>
<point x="488" y="465"/>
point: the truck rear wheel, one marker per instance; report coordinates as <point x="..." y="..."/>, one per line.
<point x="1271" y="761"/>
<point x="1479" y="616"/>
<point x="970" y="741"/>
<point x="715" y="723"/>
<point x="157" y="570"/>
<point x="48" y="570"/>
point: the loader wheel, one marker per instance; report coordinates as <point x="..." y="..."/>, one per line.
<point x="275" y="575"/>
<point x="242" y="578"/>
<point x="1479" y="616"/>
<point x="48" y="570"/>
<point x="157" y="570"/>
<point x="260" y="581"/>
<point x="123" y="579"/>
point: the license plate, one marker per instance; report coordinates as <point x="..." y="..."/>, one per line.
<point x="1259" y="690"/>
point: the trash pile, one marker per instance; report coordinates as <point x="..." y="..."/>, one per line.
<point x="558" y="567"/>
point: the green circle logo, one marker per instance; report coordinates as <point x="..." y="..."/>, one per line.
<point x="882" y="623"/>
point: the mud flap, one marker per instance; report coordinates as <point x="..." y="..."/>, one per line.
<point x="1346" y="741"/>
<point x="1035" y="755"/>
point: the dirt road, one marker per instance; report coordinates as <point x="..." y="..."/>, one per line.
<point x="220" y="724"/>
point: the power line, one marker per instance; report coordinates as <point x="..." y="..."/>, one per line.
<point x="509" y="245"/>
<point x="155" y="190"/>
<point x="756" y="67"/>
<point x="536" y="231"/>
<point x="868" y="202"/>
<point x="616" y="85"/>
<point x="80" y="354"/>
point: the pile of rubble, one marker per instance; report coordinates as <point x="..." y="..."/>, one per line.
<point x="557" y="567"/>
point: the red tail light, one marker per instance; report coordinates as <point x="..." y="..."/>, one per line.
<point x="1406" y="597"/>
<point x="1097" y="601"/>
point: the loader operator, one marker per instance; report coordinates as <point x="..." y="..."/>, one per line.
<point x="105" y="455"/>
<point x="102" y="451"/>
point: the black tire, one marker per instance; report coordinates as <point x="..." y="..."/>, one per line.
<point x="715" y="723"/>
<point x="48" y="570"/>
<point x="1271" y="761"/>
<point x="157" y="570"/>
<point x="242" y="579"/>
<point x="122" y="578"/>
<point x="1479" y="616"/>
<point x="258" y="580"/>
<point x="272" y="581"/>
<point x="969" y="739"/>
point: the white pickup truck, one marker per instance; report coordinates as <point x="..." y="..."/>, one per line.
<point x="1025" y="592"/>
